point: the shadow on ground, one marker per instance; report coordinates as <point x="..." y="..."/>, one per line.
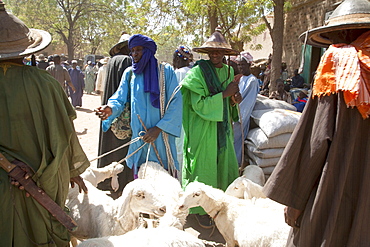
<point x="84" y="109"/>
<point x="212" y="236"/>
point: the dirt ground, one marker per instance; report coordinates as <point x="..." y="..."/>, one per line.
<point x="87" y="128"/>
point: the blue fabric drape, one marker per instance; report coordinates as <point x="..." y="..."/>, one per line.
<point x="148" y="65"/>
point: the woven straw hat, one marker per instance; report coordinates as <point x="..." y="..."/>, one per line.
<point x="16" y="39"/>
<point x="350" y="14"/>
<point x="123" y="41"/>
<point x="216" y="42"/>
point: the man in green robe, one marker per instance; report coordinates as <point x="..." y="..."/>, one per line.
<point x="209" y="108"/>
<point x="36" y="128"/>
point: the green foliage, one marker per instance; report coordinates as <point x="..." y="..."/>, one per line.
<point x="94" y="26"/>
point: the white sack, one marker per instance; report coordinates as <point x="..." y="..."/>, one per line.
<point x="263" y="103"/>
<point x="263" y="153"/>
<point x="268" y="170"/>
<point x="261" y="141"/>
<point x="263" y="162"/>
<point x="277" y="121"/>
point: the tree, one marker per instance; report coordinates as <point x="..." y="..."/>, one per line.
<point x="277" y="36"/>
<point x="78" y="23"/>
<point x="237" y="19"/>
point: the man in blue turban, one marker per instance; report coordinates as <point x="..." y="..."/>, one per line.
<point x="158" y="103"/>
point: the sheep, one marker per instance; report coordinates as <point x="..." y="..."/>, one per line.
<point x="97" y="175"/>
<point x="98" y="215"/>
<point x="244" y="188"/>
<point x="241" y="222"/>
<point x="167" y="186"/>
<point x="162" y="236"/>
<point x="153" y="237"/>
<point x="255" y="174"/>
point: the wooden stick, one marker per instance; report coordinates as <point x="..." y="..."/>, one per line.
<point x="152" y="143"/>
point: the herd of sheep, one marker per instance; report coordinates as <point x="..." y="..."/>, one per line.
<point x="242" y="214"/>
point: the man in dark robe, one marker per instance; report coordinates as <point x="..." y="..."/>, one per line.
<point x="323" y="174"/>
<point x="119" y="61"/>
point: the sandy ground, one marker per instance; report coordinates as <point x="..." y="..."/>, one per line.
<point x="87" y="126"/>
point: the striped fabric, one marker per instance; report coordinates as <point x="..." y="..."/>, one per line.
<point x="346" y="68"/>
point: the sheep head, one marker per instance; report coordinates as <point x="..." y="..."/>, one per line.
<point x="238" y="188"/>
<point x="193" y="196"/>
<point x="141" y="197"/>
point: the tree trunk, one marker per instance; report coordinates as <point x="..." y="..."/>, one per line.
<point x="277" y="43"/>
<point x="213" y="19"/>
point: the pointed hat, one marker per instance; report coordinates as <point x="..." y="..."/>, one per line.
<point x="216" y="42"/>
<point x="16" y="39"/>
<point x="350" y="14"/>
<point x="123" y="41"/>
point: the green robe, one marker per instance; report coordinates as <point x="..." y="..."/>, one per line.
<point x="36" y="128"/>
<point x="203" y="161"/>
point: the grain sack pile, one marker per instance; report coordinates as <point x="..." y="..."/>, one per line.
<point x="275" y="121"/>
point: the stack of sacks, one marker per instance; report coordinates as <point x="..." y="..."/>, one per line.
<point x="265" y="143"/>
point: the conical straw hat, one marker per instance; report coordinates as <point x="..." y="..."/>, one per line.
<point x="216" y="42"/>
<point x="350" y="14"/>
<point x="123" y="41"/>
<point x="16" y="39"/>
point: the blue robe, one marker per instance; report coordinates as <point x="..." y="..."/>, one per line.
<point x="77" y="78"/>
<point x="140" y="104"/>
<point x="249" y="88"/>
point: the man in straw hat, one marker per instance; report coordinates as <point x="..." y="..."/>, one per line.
<point x="323" y="174"/>
<point x="116" y="65"/>
<point x="209" y="97"/>
<point x="36" y="134"/>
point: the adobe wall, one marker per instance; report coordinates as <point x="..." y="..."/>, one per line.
<point x="304" y="15"/>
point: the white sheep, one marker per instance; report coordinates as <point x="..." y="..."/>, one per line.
<point x="97" y="175"/>
<point x="98" y="215"/>
<point x="241" y="222"/>
<point x="153" y="237"/>
<point x="255" y="174"/>
<point x="167" y="186"/>
<point x="244" y="188"/>
<point x="162" y="236"/>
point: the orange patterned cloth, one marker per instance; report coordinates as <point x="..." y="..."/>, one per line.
<point x="346" y="68"/>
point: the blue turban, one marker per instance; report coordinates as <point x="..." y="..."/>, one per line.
<point x="148" y="65"/>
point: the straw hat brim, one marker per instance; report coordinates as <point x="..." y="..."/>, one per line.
<point x="117" y="47"/>
<point x="315" y="38"/>
<point x="44" y="39"/>
<point x="227" y="51"/>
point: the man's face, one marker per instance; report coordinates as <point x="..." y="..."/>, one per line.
<point x="74" y="65"/>
<point x="137" y="53"/>
<point x="244" y="67"/>
<point x="216" y="58"/>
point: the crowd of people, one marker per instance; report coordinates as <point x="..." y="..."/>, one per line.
<point x="192" y="118"/>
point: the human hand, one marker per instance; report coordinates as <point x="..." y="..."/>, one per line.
<point x="152" y="134"/>
<point x="28" y="174"/>
<point x="236" y="98"/>
<point x="231" y="89"/>
<point x="73" y="89"/>
<point x="291" y="215"/>
<point x="103" y="112"/>
<point x="81" y="184"/>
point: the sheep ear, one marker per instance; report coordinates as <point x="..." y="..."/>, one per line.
<point x="247" y="193"/>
